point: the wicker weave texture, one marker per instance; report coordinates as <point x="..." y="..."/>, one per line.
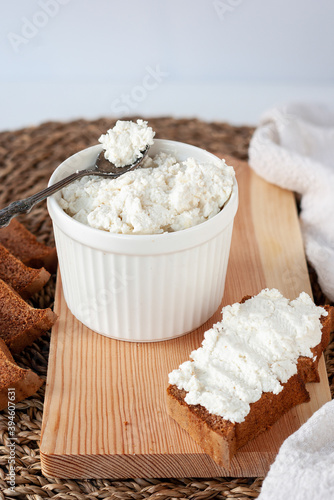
<point x="27" y="159"/>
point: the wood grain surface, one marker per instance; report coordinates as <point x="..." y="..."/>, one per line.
<point x="105" y="410"/>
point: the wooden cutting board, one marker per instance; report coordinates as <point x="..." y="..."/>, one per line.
<point x="105" y="414"/>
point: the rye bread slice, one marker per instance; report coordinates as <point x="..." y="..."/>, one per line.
<point x="23" y="279"/>
<point x="24" y="382"/>
<point x="21" y="324"/>
<point x="25" y="247"/>
<point x="221" y="438"/>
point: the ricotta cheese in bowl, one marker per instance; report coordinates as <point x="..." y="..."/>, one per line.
<point x="144" y="258"/>
<point x="163" y="196"/>
<point x="125" y="143"/>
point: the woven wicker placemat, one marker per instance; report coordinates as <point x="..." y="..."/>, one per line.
<point x="27" y="159"/>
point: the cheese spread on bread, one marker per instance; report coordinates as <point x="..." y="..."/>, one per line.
<point x="254" y="349"/>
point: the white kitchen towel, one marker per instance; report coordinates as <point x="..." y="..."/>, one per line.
<point x="293" y="147"/>
<point x="304" y="466"/>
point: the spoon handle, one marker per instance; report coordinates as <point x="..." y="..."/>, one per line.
<point x="24" y="206"/>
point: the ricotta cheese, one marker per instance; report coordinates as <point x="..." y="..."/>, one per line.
<point x="125" y="143"/>
<point x="164" y="195"/>
<point x="254" y="349"/>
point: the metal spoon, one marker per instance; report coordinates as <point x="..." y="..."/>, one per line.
<point x="102" y="168"/>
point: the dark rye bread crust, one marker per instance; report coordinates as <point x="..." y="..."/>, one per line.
<point x="24" y="382"/>
<point x="25" y="247"/>
<point x="307" y="367"/>
<point x="24" y="280"/>
<point x="21" y="324"/>
<point x="221" y="438"/>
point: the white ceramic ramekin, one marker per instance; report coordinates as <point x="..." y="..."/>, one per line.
<point x="142" y="287"/>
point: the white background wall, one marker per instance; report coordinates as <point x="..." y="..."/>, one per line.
<point x="215" y="59"/>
